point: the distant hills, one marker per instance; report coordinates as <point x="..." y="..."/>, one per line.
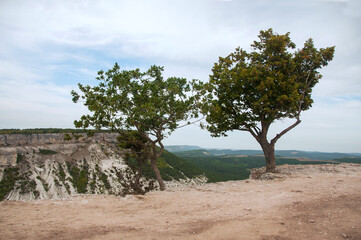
<point x="181" y="148"/>
<point x="226" y="164"/>
<point x="190" y="150"/>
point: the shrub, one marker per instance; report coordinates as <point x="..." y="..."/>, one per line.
<point x="19" y="158"/>
<point x="47" y="152"/>
<point x="11" y="175"/>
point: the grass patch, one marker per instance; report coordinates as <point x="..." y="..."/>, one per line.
<point x="79" y="177"/>
<point x="47" y="152"/>
<point x="104" y="178"/>
<point x="19" y="158"/>
<point x="7" y="184"/>
<point x="61" y="175"/>
<point x="13" y="179"/>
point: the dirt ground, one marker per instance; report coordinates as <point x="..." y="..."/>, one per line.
<point x="313" y="202"/>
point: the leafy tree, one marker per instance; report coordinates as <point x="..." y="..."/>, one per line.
<point x="139" y="149"/>
<point x="139" y="101"/>
<point x="250" y="91"/>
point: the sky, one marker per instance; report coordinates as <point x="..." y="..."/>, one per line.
<point x="47" y="47"/>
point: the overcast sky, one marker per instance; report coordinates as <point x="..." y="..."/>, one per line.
<point x="47" y="47"/>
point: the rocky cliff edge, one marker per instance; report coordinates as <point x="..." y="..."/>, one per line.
<point x="46" y="166"/>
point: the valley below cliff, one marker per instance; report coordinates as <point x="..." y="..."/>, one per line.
<point x="297" y="202"/>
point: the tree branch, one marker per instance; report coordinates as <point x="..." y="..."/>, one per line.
<point x="278" y="136"/>
<point x="303" y="95"/>
<point x="254" y="134"/>
<point x="191" y="123"/>
<point x="161" y="149"/>
<point x="308" y="84"/>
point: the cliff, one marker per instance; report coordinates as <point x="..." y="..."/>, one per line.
<point x="13" y="140"/>
<point x="46" y="166"/>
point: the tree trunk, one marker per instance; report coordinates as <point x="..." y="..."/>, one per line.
<point x="269" y="147"/>
<point x="269" y="153"/>
<point x="153" y="163"/>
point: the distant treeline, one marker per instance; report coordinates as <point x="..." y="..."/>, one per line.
<point x="47" y="130"/>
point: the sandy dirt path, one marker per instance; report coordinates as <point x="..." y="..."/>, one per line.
<point x="315" y="203"/>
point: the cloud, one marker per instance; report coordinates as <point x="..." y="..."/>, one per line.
<point x="28" y="100"/>
<point x="49" y="46"/>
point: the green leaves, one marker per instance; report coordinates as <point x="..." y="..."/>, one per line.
<point x="131" y="99"/>
<point x="144" y="104"/>
<point x="272" y="82"/>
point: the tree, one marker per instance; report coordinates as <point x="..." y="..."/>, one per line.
<point x="139" y="101"/>
<point x="250" y="91"/>
<point x="139" y="149"/>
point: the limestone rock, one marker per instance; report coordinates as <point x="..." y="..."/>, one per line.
<point x="45" y="166"/>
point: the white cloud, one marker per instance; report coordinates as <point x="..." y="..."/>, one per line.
<point x="49" y="46"/>
<point x="28" y="100"/>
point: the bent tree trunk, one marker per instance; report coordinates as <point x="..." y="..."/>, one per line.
<point x="153" y="163"/>
<point x="269" y="153"/>
<point x="269" y="147"/>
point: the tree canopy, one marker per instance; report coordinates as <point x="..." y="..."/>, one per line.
<point x="140" y="101"/>
<point x="248" y="91"/>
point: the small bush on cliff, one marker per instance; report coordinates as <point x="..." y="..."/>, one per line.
<point x="47" y="152"/>
<point x="61" y="174"/>
<point x="11" y="175"/>
<point x="79" y="178"/>
<point x="19" y="158"/>
<point x="13" y="179"/>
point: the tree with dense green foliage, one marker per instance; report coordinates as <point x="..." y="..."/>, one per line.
<point x="139" y="101"/>
<point x="248" y="91"/>
<point x="138" y="149"/>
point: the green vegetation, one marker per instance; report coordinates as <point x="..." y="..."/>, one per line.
<point x="249" y="91"/>
<point x="197" y="151"/>
<point x="11" y="175"/>
<point x="67" y="137"/>
<point x="170" y="167"/>
<point x="144" y="102"/>
<point x="232" y="167"/>
<point x="47" y="152"/>
<point x="61" y="175"/>
<point x="79" y="177"/>
<point x="45" y="184"/>
<point x="102" y="177"/>
<point x="57" y="183"/>
<point x="349" y="160"/>
<point x="24" y="183"/>
<point x="194" y="153"/>
<point x="181" y="148"/>
<point x="93" y="183"/>
<point x="218" y="169"/>
<point x="19" y="158"/>
<point x="12" y="179"/>
<point x="175" y="166"/>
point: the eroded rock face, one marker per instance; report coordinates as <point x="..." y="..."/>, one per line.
<point x="8" y="140"/>
<point x="45" y="166"/>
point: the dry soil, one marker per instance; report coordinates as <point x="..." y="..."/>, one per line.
<point x="308" y="202"/>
